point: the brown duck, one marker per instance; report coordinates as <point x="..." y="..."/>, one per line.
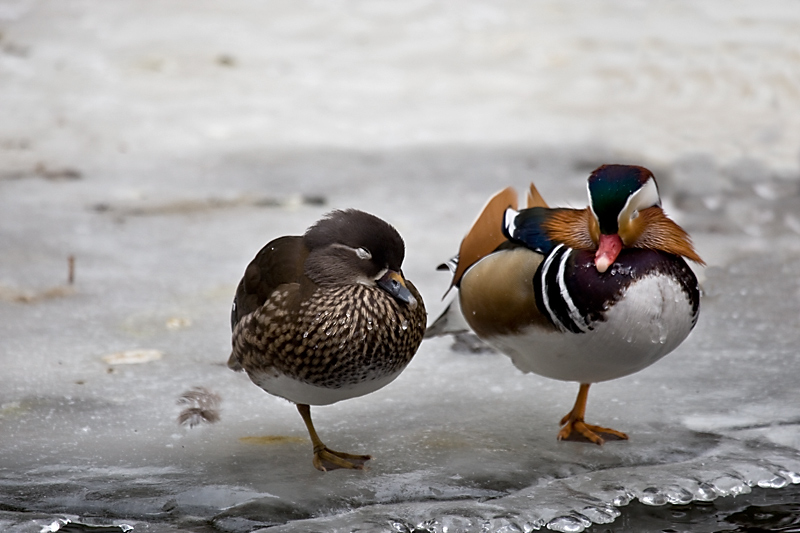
<point x="327" y="316"/>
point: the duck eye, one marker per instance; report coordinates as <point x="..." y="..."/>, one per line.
<point x="635" y="214"/>
<point x="363" y="253"/>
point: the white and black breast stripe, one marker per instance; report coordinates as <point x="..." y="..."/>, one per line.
<point x="574" y="296"/>
<point x="550" y="286"/>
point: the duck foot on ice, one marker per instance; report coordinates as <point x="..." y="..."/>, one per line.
<point x="575" y="429"/>
<point x="326" y="459"/>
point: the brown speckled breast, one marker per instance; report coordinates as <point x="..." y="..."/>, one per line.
<point x="337" y="337"/>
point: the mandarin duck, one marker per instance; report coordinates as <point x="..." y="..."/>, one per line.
<point x="327" y="316"/>
<point x="584" y="295"/>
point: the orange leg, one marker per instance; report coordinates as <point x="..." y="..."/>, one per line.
<point x="324" y="458"/>
<point x="574" y="422"/>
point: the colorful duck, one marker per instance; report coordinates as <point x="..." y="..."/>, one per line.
<point x="583" y="295"/>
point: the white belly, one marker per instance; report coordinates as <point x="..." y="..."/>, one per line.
<point x="653" y="317"/>
<point x="301" y="392"/>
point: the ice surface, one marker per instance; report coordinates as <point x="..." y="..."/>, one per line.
<point x="162" y="146"/>
<point x="460" y="440"/>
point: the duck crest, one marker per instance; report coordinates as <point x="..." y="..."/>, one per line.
<point x="612" y="187"/>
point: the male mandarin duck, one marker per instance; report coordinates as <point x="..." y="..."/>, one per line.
<point x="583" y="295"/>
<point x="327" y="316"/>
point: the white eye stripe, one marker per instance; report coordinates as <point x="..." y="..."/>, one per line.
<point x="361" y="252"/>
<point x="646" y="196"/>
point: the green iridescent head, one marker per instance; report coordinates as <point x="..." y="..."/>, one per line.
<point x="618" y="192"/>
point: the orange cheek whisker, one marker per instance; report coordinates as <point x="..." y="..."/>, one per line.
<point x="571" y="227"/>
<point x="661" y="233"/>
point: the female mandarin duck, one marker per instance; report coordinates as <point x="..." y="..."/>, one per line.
<point x="584" y="295"/>
<point x="327" y="316"/>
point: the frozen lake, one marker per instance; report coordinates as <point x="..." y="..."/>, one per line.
<point x="162" y="144"/>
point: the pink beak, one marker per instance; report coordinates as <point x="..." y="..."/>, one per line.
<point x="608" y="249"/>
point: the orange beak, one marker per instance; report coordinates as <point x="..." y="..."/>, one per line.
<point x="608" y="249"/>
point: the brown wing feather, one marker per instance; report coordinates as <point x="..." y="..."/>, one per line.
<point x="486" y="233"/>
<point x="534" y="199"/>
<point x="279" y="262"/>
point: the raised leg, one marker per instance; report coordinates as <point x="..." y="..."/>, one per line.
<point x="576" y="429"/>
<point x="324" y="458"/>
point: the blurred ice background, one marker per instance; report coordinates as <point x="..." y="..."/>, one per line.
<point x="162" y="143"/>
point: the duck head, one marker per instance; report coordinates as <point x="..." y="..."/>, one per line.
<point x="352" y="246"/>
<point x="625" y="212"/>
